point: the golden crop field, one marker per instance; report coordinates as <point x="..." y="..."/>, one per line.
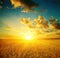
<point x="10" y="48"/>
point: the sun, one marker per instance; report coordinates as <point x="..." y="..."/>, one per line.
<point x="28" y="37"/>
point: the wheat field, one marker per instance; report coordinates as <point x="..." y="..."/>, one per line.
<point x="41" y="49"/>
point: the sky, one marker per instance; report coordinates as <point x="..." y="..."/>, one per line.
<point x="52" y="7"/>
<point x="12" y="10"/>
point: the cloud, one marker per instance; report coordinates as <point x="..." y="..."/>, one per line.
<point x="0" y="6"/>
<point x="27" y="22"/>
<point x="54" y="23"/>
<point x="16" y="3"/>
<point x="40" y="24"/>
<point x="27" y="5"/>
<point x="26" y="10"/>
<point x="1" y="2"/>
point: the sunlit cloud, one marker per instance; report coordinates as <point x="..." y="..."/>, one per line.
<point x="27" y="5"/>
<point x="26" y="10"/>
<point x="40" y="24"/>
<point x="38" y="27"/>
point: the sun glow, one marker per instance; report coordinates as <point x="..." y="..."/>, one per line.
<point x="28" y="37"/>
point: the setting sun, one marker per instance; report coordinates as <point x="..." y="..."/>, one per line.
<point x="27" y="34"/>
<point x="28" y="37"/>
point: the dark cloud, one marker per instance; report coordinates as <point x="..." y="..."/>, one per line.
<point x="55" y="23"/>
<point x="29" y="3"/>
<point x="1" y="4"/>
<point x="26" y="4"/>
